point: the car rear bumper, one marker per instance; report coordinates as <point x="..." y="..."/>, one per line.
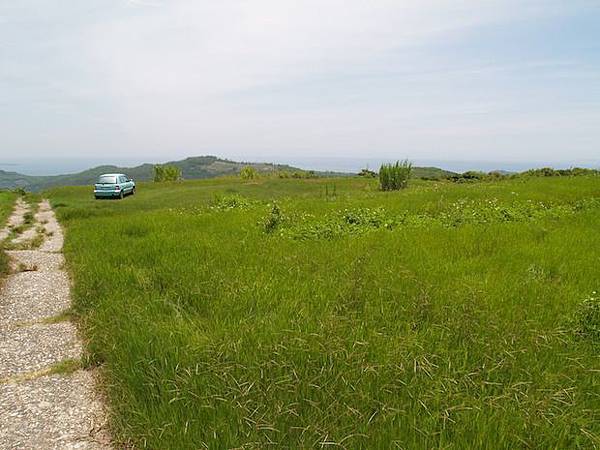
<point x="107" y="193"/>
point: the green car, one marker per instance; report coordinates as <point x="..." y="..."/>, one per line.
<point x="114" y="185"/>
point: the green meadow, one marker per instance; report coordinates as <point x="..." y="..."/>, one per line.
<point x="324" y="313"/>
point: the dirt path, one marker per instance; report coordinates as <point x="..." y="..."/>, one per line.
<point x="46" y="400"/>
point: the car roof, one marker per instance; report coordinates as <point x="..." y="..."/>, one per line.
<point x="113" y="175"/>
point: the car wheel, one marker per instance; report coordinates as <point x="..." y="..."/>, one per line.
<point x="121" y="195"/>
<point x="133" y="191"/>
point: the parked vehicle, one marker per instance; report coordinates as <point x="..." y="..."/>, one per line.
<point x="114" y="185"/>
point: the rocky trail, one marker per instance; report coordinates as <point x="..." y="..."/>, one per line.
<point x="47" y="401"/>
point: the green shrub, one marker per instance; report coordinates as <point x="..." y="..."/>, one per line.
<point x="273" y="219"/>
<point x="550" y="172"/>
<point x="166" y="173"/>
<point x="366" y="173"/>
<point x="248" y="173"/>
<point x="471" y="176"/>
<point x="393" y="177"/>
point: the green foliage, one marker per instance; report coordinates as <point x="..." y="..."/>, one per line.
<point x="460" y="213"/>
<point x="586" y="319"/>
<point x="228" y="202"/>
<point x="469" y="176"/>
<point x="339" y="224"/>
<point x="366" y="173"/>
<point x="273" y="219"/>
<point x="475" y="176"/>
<point x="166" y="173"/>
<point x="248" y="173"/>
<point x="444" y="330"/>
<point x="393" y="177"/>
<point x="298" y="174"/>
<point x="550" y="172"/>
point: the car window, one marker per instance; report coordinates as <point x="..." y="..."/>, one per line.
<point x="107" y="180"/>
<point x="122" y="179"/>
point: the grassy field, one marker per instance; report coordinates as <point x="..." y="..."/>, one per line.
<point x="442" y="316"/>
<point x="7" y="199"/>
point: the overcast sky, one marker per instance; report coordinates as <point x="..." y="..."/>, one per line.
<point x="161" y="79"/>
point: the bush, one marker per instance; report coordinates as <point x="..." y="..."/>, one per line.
<point x="273" y="219"/>
<point x="167" y="173"/>
<point x="248" y="173"/>
<point x="366" y="173"/>
<point x="550" y="172"/>
<point x="393" y="177"/>
<point x="469" y="176"/>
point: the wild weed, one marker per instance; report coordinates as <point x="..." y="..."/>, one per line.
<point x="273" y="219"/>
<point x="330" y="193"/>
<point x="393" y="177"/>
<point x="586" y="319"/>
<point x="228" y="202"/>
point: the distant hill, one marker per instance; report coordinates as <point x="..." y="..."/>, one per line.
<point x="430" y="172"/>
<point x="192" y="168"/>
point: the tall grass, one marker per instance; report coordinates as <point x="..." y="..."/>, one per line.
<point x="212" y="333"/>
<point x="7" y="199"/>
<point x="393" y="177"/>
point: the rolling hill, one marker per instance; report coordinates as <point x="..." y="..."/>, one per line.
<point x="192" y="168"/>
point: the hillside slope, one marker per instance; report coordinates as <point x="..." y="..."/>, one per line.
<point x="192" y="168"/>
<point x="196" y="167"/>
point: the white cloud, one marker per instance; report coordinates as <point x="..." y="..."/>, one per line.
<point x="266" y="75"/>
<point x="210" y="47"/>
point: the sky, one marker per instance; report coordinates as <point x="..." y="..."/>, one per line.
<point x="430" y="80"/>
